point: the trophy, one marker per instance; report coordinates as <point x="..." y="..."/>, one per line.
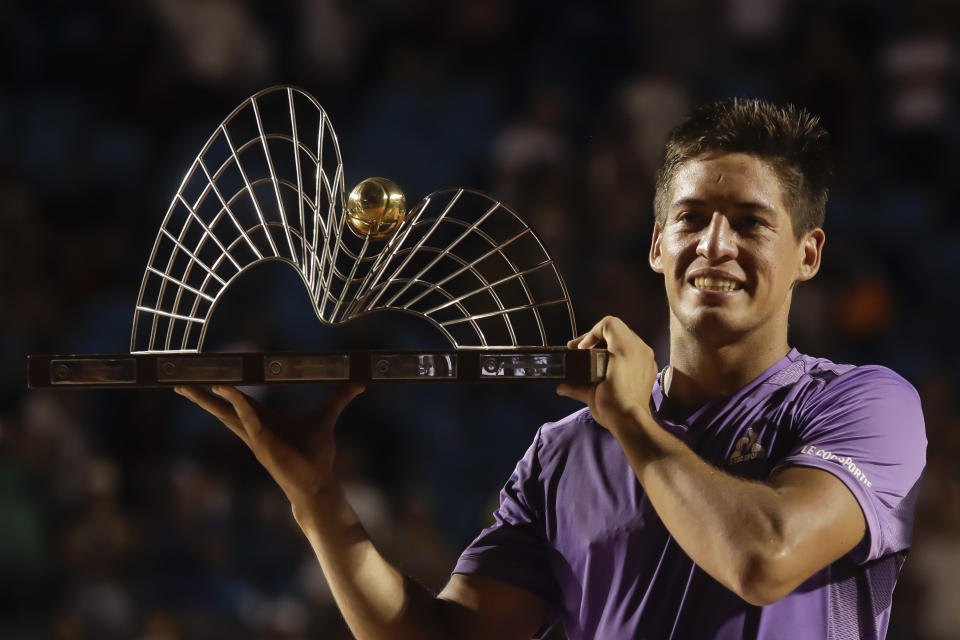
<point x="269" y="185"/>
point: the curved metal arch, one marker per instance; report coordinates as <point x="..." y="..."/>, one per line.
<point x="209" y="182"/>
<point x="246" y="206"/>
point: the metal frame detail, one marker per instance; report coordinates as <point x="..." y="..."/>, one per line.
<point x="269" y="185"/>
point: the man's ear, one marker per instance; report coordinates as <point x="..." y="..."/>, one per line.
<point x="812" y="244"/>
<point x="655" y="263"/>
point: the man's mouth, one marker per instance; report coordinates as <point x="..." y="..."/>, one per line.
<point x="713" y="283"/>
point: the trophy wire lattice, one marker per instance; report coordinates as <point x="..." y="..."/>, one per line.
<point x="268" y="185"/>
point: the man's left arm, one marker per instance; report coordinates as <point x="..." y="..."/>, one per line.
<point x="759" y="539"/>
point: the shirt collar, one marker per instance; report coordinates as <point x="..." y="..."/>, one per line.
<point x="674" y="416"/>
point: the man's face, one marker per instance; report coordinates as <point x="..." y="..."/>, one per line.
<point x="727" y="248"/>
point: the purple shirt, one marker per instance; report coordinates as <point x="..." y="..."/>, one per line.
<point x="575" y="527"/>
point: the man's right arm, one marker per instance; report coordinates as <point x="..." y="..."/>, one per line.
<point x="377" y="601"/>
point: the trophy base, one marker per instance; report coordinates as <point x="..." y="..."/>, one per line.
<point x="507" y="364"/>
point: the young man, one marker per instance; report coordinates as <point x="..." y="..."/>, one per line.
<point x="744" y="491"/>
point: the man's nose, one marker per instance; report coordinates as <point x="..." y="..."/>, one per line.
<point x="718" y="241"/>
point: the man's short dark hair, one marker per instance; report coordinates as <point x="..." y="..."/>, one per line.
<point x="787" y="137"/>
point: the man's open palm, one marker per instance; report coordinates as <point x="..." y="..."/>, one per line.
<point x="298" y="451"/>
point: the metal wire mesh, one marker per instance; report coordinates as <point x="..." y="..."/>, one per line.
<point x="269" y="185"/>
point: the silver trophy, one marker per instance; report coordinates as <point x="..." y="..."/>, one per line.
<point x="268" y="185"/>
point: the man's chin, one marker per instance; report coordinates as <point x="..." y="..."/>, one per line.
<point x="715" y="327"/>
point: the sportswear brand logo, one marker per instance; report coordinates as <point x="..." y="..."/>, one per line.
<point x="846" y="461"/>
<point x="746" y="448"/>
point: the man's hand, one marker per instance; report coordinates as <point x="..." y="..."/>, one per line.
<point x="631" y="371"/>
<point x="298" y="451"/>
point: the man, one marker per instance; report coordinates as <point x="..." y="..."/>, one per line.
<point x="745" y="491"/>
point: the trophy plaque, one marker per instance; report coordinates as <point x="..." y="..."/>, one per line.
<point x="269" y="185"/>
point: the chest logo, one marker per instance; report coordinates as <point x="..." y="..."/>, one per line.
<point x="746" y="448"/>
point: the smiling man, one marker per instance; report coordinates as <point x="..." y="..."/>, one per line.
<point x="745" y="490"/>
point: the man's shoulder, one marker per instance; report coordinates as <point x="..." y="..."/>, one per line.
<point x="567" y="427"/>
<point x="575" y="429"/>
<point x="575" y="452"/>
<point x="822" y="375"/>
<point x="869" y="397"/>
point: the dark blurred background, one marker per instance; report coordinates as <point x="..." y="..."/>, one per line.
<point x="129" y="514"/>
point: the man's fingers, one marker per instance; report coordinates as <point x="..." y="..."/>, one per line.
<point x="618" y="336"/>
<point x="219" y="409"/>
<point x="343" y="396"/>
<point x="585" y="341"/>
<point x="577" y="392"/>
<point x="242" y="405"/>
<point x="588" y="340"/>
<point x="604" y="331"/>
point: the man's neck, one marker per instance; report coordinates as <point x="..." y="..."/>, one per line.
<point x="701" y="372"/>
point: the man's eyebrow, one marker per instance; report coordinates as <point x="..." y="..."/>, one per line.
<point x="689" y="202"/>
<point x="747" y="205"/>
<point x="755" y="206"/>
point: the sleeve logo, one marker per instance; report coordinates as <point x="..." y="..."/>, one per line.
<point x="846" y="461"/>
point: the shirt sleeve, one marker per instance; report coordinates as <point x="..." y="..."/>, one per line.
<point x="866" y="428"/>
<point x="514" y="549"/>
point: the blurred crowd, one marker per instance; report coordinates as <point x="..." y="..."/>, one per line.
<point x="129" y="514"/>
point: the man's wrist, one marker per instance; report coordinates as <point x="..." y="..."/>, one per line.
<point x="323" y="505"/>
<point x="641" y="436"/>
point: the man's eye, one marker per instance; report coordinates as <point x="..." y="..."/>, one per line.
<point x="688" y="217"/>
<point x="749" y="222"/>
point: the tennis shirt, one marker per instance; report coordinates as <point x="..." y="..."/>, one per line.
<point x="575" y="527"/>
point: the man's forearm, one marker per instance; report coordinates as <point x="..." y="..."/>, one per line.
<point x="376" y="600"/>
<point x="729" y="526"/>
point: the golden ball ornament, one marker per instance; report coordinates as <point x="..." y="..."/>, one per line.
<point x="376" y="208"/>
